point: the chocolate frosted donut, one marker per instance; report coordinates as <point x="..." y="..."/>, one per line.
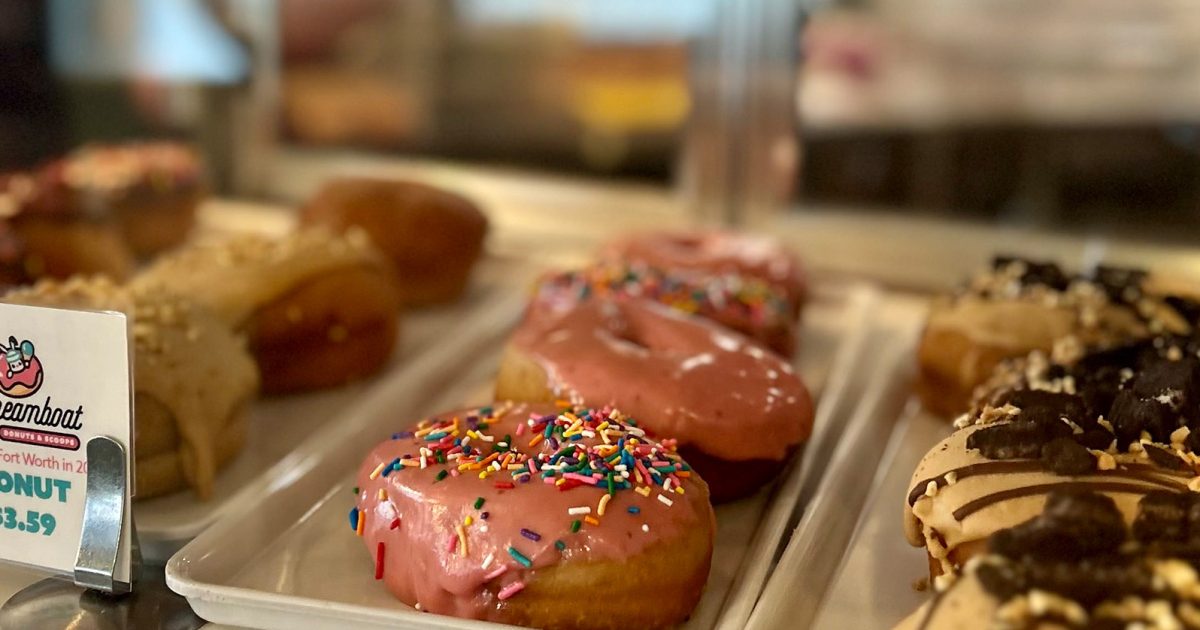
<point x="1123" y="422"/>
<point x="738" y="411"/>
<point x="744" y="303"/>
<point x="537" y="515"/>
<point x="715" y="253"/>
<point x="1079" y="565"/>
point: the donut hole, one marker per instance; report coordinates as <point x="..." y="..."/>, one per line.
<point x="620" y="330"/>
<point x="628" y="343"/>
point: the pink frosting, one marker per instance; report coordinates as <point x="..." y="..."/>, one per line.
<point x="715" y="252"/>
<point x="421" y="567"/>
<point x="709" y="387"/>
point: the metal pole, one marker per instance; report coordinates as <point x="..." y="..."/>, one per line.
<point x="740" y="149"/>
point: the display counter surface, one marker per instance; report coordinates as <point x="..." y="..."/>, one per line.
<point x="541" y="222"/>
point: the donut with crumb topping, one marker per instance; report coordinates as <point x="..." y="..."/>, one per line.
<point x="192" y="378"/>
<point x="1080" y="564"/>
<point x="538" y="515"/>
<point x="318" y="309"/>
<point x="1123" y="422"/>
<point x="1020" y="306"/>
<point x="432" y="236"/>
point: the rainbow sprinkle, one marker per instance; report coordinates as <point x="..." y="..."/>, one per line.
<point x="726" y="297"/>
<point x="379" y="561"/>
<point x="497" y="572"/>
<point x="510" y="590"/>
<point x="575" y="448"/>
<point x="462" y="541"/>
<point x="520" y="557"/>
<point x="378" y="469"/>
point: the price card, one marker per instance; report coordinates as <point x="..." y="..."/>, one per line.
<point x="64" y="378"/>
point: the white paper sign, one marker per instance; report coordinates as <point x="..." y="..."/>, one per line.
<point x="64" y="378"/>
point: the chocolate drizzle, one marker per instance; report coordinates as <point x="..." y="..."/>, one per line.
<point x="1119" y="487"/>
<point x="1140" y="472"/>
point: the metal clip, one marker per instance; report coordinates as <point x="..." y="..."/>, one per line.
<point x="103" y="517"/>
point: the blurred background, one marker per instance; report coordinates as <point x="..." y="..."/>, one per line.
<point x="1063" y="116"/>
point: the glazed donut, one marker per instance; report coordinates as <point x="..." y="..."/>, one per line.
<point x="1021" y="306"/>
<point x="151" y="189"/>
<point x="744" y="303"/>
<point x="59" y="239"/>
<point x="317" y="309"/>
<point x="433" y="237"/>
<point x="192" y="377"/>
<point x="1123" y="421"/>
<point x="738" y="411"/>
<point x="1079" y="565"/>
<point x="715" y="252"/>
<point x="537" y="515"/>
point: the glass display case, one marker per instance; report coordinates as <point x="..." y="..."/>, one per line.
<point x="896" y="148"/>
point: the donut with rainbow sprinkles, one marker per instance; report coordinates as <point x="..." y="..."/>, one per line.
<point x="537" y="514"/>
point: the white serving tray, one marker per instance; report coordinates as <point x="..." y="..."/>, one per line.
<point x="281" y="428"/>
<point x="848" y="564"/>
<point x="289" y="561"/>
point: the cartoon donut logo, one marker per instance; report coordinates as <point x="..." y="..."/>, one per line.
<point x="21" y="372"/>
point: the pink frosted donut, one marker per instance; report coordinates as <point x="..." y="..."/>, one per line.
<point x="744" y="303"/>
<point x="537" y="515"/>
<point x="715" y="252"/>
<point x="737" y="410"/>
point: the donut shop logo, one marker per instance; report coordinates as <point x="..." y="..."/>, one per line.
<point x="21" y="375"/>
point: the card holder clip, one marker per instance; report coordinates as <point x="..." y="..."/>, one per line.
<point x="104" y="517"/>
